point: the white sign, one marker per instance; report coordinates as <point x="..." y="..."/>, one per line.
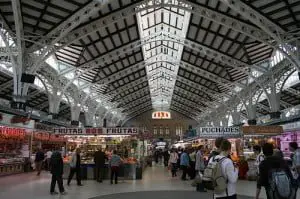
<point x="96" y="131"/>
<point x="120" y="131"/>
<point x="214" y="132"/>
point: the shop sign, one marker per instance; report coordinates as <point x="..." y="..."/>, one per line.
<point x="17" y="121"/>
<point x="161" y="115"/>
<point x="262" y="130"/>
<point x="214" y="132"/>
<point x="44" y="127"/>
<point x="291" y="126"/>
<point x="96" y="131"/>
<point x="69" y="131"/>
<point x="12" y="132"/>
<point x="120" y="131"/>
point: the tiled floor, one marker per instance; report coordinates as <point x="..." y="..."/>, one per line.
<point x="29" y="186"/>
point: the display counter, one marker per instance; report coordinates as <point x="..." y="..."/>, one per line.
<point x="128" y="171"/>
<point x="11" y="168"/>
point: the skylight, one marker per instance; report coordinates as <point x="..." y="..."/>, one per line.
<point x="162" y="55"/>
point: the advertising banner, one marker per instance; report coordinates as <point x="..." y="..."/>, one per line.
<point x="215" y="132"/>
<point x="121" y="131"/>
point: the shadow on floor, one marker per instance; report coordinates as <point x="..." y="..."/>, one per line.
<point x="162" y="195"/>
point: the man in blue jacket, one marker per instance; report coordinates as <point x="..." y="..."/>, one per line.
<point x="184" y="164"/>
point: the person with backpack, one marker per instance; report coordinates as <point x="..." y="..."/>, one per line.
<point x="216" y="151"/>
<point x="221" y="174"/>
<point x="275" y="176"/>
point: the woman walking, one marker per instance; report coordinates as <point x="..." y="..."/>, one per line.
<point x="114" y="164"/>
<point x="173" y="162"/>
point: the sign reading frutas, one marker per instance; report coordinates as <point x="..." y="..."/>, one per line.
<point x="120" y="131"/>
<point x="161" y="115"/>
<point x="96" y="131"/>
<point x="214" y="132"/>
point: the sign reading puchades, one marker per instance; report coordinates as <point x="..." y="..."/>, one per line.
<point x="97" y="131"/>
<point x="215" y="132"/>
<point x="161" y="115"/>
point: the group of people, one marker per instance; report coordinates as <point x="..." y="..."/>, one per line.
<point x="189" y="161"/>
<point x="273" y="172"/>
<point x="57" y="168"/>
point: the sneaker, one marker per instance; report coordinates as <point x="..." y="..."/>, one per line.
<point x="63" y="193"/>
<point x="54" y="193"/>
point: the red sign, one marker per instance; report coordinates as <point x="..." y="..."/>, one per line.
<point x="8" y="132"/>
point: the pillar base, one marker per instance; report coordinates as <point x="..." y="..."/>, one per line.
<point x="275" y="115"/>
<point x="18" y="105"/>
<point x="252" y="122"/>
<point x="74" y="123"/>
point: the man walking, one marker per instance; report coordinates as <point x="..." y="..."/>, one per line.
<point x="99" y="159"/>
<point x="75" y="167"/>
<point x="57" y="167"/>
<point x="184" y="164"/>
<point x="39" y="158"/>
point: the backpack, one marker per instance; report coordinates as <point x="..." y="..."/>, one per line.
<point x="213" y="178"/>
<point x="280" y="184"/>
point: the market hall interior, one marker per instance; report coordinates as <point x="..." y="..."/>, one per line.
<point x="133" y="98"/>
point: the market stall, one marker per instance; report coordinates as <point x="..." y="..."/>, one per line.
<point x="13" y="149"/>
<point x="258" y="135"/>
<point x="291" y="133"/>
<point x="89" y="140"/>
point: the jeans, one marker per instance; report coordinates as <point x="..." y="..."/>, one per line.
<point x="78" y="175"/>
<point x="184" y="172"/>
<point x="174" y="169"/>
<point x="59" y="180"/>
<point x="38" y="166"/>
<point x="99" y="173"/>
<point x="114" y="174"/>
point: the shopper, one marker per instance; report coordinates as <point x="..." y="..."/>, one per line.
<point x="75" y="167"/>
<point x="229" y="170"/>
<point x="269" y="169"/>
<point x="259" y="158"/>
<point x="199" y="165"/>
<point x="39" y="159"/>
<point x="166" y="157"/>
<point x="57" y="167"/>
<point x="192" y="171"/>
<point x="114" y="164"/>
<point x="48" y="158"/>
<point x="99" y="159"/>
<point x="173" y="162"/>
<point x="184" y="164"/>
<point x="216" y="151"/>
<point x="296" y="159"/>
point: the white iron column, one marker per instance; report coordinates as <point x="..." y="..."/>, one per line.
<point x="274" y="102"/>
<point x="236" y="117"/>
<point x="75" y="113"/>
<point x="54" y="103"/>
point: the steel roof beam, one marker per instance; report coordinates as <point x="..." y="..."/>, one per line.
<point x="290" y="90"/>
<point x="268" y="26"/>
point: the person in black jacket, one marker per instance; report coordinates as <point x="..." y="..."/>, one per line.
<point x="57" y="167"/>
<point x="39" y="159"/>
<point x="270" y="163"/>
<point x="99" y="159"/>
